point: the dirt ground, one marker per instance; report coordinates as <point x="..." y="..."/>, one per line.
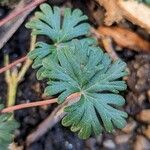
<point x="135" y="136"/>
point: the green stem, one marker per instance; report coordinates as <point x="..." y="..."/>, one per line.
<point x="12" y="91"/>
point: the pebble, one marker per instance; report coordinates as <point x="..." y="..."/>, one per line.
<point x="68" y="145"/>
<point x="120" y="139"/>
<point x="141" y="99"/>
<point x="144" y="116"/>
<point x="143" y="71"/>
<point x="90" y="143"/>
<point x="99" y="138"/>
<point x="136" y="65"/>
<point x="109" y="144"/>
<point x="141" y="143"/>
<point x="130" y="127"/>
<point x="146" y="132"/>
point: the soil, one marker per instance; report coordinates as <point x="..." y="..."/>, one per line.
<point x="137" y="99"/>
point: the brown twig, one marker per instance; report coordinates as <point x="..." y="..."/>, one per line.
<point x="11" y="27"/>
<point x="13" y="64"/>
<point x="16" y="13"/>
<point x="51" y="120"/>
<point x="28" y="105"/>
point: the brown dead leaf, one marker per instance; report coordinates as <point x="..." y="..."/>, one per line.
<point x="144" y="116"/>
<point x="125" y="38"/>
<point x="117" y="10"/>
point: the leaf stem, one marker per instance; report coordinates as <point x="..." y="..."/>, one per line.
<point x="28" y="62"/>
<point x="69" y="100"/>
<point x="28" y="105"/>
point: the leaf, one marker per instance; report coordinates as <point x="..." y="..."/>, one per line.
<point x="7" y="127"/>
<point x="71" y="65"/>
<point x="48" y="22"/>
<point x="59" y="29"/>
<point x="97" y="78"/>
<point x="147" y="2"/>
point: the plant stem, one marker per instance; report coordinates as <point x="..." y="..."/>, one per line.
<point x="57" y="114"/>
<point x="12" y="91"/>
<point x="28" y="105"/>
<point x="16" y="13"/>
<point x="28" y="61"/>
<point x="13" y="77"/>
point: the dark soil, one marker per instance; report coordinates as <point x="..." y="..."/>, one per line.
<point x="137" y="99"/>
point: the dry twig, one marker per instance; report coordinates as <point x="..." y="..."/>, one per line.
<point x="19" y="11"/>
<point x="51" y="120"/>
<point x="7" y="67"/>
<point x="10" y="27"/>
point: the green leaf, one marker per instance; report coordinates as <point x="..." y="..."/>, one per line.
<point x="59" y="29"/>
<point x="48" y="22"/>
<point x="89" y="76"/>
<point x="7" y="127"/>
<point x="147" y="2"/>
<point x="71" y="65"/>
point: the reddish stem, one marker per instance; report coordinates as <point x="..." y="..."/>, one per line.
<point x="16" y="13"/>
<point x="27" y="105"/>
<point x="12" y="64"/>
<point x="39" y="103"/>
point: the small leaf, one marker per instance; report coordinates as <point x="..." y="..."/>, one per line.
<point x="7" y="127"/>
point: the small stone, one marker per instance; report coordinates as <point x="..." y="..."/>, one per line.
<point x="144" y="116"/>
<point x="120" y="139"/>
<point x="130" y="127"/>
<point x="140" y="84"/>
<point x="146" y="132"/>
<point x="136" y="65"/>
<point x="68" y="145"/>
<point x="99" y="138"/>
<point x="90" y="143"/>
<point x="109" y="144"/>
<point x="141" y="98"/>
<point x="141" y="143"/>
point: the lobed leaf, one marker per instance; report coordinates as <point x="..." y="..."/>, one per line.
<point x="71" y="65"/>
<point x="7" y="127"/>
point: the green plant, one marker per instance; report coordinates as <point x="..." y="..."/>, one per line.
<point x="73" y="63"/>
<point x="147" y="2"/>
<point x="7" y="127"/>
